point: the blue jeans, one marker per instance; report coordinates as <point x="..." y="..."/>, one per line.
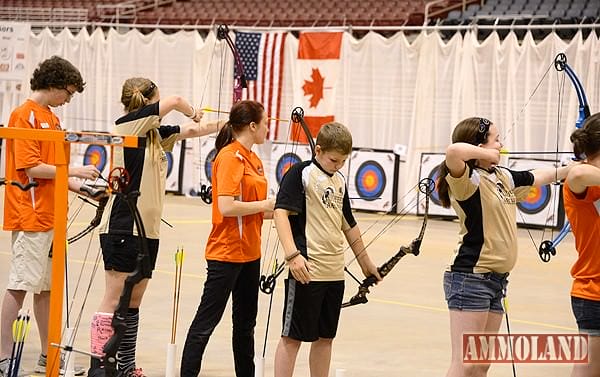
<point x="475" y="292"/>
<point x="587" y="314"/>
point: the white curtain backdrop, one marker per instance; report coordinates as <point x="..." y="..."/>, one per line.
<point x="408" y="90"/>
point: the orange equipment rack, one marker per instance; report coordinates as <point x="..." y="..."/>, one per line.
<point x="62" y="142"/>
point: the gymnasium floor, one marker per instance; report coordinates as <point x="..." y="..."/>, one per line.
<point x="402" y="331"/>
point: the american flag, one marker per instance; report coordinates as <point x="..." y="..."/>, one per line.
<point x="262" y="56"/>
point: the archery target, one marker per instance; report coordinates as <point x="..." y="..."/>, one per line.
<point x="92" y="154"/>
<point x="284" y="164"/>
<point x="434" y="175"/>
<point x="96" y="155"/>
<point x="536" y="201"/>
<point x="175" y="164"/>
<point x="207" y="155"/>
<point x="208" y="163"/>
<point x="429" y="169"/>
<point x="283" y="157"/>
<point x="543" y="205"/>
<point x="370" y="180"/>
<point x="194" y="171"/>
<point x="369" y="186"/>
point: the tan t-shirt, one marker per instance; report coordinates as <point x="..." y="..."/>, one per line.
<point x="485" y="203"/>
<point x="147" y="169"/>
<point x="321" y="213"/>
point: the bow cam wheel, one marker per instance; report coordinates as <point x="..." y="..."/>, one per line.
<point x="119" y="179"/>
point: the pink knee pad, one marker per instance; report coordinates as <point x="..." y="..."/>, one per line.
<point x="101" y="331"/>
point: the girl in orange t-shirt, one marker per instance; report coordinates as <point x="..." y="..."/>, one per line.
<point x="582" y="204"/>
<point x="233" y="247"/>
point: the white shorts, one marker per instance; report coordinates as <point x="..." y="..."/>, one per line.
<point x="30" y="266"/>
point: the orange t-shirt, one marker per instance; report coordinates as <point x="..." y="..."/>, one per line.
<point x="31" y="210"/>
<point x="236" y="172"/>
<point x="583" y="212"/>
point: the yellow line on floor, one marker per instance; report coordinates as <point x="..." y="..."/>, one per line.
<point x="438" y="309"/>
<point x="389" y="302"/>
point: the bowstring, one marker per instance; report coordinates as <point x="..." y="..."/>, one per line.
<point x="271" y="263"/>
<point x="404" y="211"/>
<point x="561" y="79"/>
<point x="513" y="124"/>
<point x="522" y="110"/>
<point x="198" y="170"/>
<point x="70" y="307"/>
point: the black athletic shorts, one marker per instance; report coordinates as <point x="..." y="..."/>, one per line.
<point x="120" y="252"/>
<point x="312" y="311"/>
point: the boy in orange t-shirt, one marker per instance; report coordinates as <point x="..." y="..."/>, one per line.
<point x="29" y="214"/>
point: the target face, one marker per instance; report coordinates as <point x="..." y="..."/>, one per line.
<point x="169" y="163"/>
<point x="208" y="164"/>
<point x="95" y="155"/>
<point x="536" y="200"/>
<point x="285" y="162"/>
<point x="370" y="180"/>
<point x="434" y="175"/>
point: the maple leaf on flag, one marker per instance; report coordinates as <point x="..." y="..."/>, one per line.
<point x="314" y="88"/>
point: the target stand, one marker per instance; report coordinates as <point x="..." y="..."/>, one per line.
<point x="197" y="172"/>
<point x="175" y="163"/>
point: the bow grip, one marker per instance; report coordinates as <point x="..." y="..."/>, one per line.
<point x="369" y="281"/>
<point x="415" y="247"/>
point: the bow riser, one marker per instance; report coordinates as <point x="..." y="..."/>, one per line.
<point x="426" y="186"/>
<point x="239" y="80"/>
<point x="547" y="249"/>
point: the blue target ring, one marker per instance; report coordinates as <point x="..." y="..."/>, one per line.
<point x="95" y="155"/>
<point x="434" y="175"/>
<point x="537" y="199"/>
<point x="370" y="180"/>
<point x="169" y="163"/>
<point x="285" y="162"/>
<point x="210" y="157"/>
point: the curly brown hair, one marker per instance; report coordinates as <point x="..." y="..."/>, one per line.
<point x="56" y="73"/>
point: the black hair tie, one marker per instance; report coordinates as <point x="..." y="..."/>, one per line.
<point x="148" y="92"/>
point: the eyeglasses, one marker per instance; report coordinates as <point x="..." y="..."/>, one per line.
<point x="70" y="93"/>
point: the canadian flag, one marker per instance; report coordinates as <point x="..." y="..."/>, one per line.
<point x="318" y="69"/>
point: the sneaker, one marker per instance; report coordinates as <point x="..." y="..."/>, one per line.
<point x="41" y="366"/>
<point x="4" y="369"/>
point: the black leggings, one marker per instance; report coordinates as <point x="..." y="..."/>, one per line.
<point x="223" y="279"/>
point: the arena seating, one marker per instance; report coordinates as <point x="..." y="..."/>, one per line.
<point x="306" y="13"/>
<point x="253" y="12"/>
<point x="532" y="11"/>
